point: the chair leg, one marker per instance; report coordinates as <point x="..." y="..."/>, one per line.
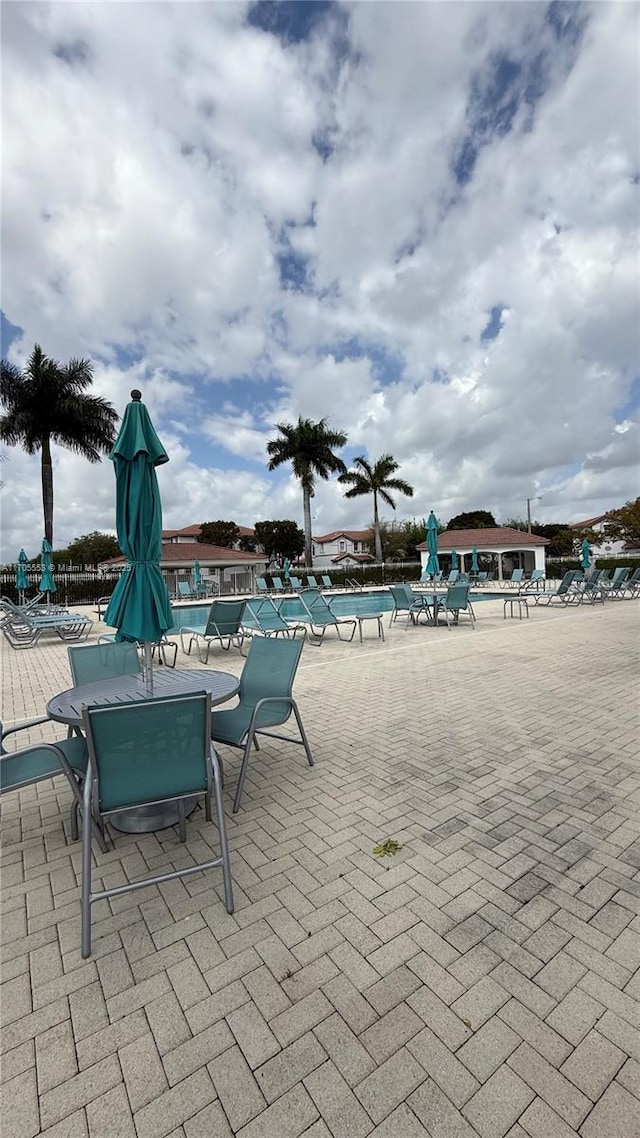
<point x="182" y="821"/>
<point x="85" y="894"/>
<point x="303" y="734"/>
<point x="222" y="831"/>
<point x="243" y="772"/>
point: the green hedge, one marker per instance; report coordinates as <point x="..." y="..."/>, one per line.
<point x="558" y="568"/>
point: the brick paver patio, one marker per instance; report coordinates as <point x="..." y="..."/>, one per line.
<point x="482" y="981"/>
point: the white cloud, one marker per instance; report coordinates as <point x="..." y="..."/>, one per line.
<point x="159" y="161"/>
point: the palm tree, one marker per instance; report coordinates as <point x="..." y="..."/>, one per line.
<point x="48" y="403"/>
<point x="308" y="447"/>
<point x="375" y="480"/>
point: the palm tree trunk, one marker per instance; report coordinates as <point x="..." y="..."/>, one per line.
<point x="376" y="529"/>
<point x="47" y="489"/>
<point x="306" y="504"/>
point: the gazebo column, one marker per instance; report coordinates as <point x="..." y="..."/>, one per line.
<point x="499" y="554"/>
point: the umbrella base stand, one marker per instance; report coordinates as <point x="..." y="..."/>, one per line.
<point x="146" y="819"/>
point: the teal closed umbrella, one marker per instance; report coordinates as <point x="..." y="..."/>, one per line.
<point x="286" y="568"/>
<point x="454" y="559"/>
<point x="433" y="565"/>
<point x="22" y="581"/>
<point x="585" y="554"/>
<point x="139" y="609"/>
<point x="47" y="583"/>
<point x="474" y="560"/>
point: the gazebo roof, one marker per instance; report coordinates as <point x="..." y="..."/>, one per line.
<point x="500" y="537"/>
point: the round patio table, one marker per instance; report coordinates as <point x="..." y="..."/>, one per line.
<point x="66" y="707"/>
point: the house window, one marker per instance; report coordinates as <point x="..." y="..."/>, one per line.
<point x="355" y="547"/>
<point x="342" y="546"/>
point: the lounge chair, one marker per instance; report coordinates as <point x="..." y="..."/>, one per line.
<point x="481" y="578"/>
<point x="565" y="594"/>
<point x="261" y="586"/>
<point x="319" y="616"/>
<point x="632" y="584"/>
<point x="39" y="761"/>
<point x="102" y="606"/>
<point x="589" y="589"/>
<point x="262" y="616"/>
<point x="184" y="592"/>
<point x="463" y="579"/>
<point x="614" y="590"/>
<point x="224" y="624"/>
<point x="295" y="583"/>
<point x="405" y="600"/>
<point x="454" y="604"/>
<point x="25" y="631"/>
<point x="516" y="579"/>
<point x="277" y="585"/>
<point x="535" y="580"/>
<point x="327" y="583"/>
<point x="266" y="700"/>
<point x="150" y="752"/>
<point x="311" y="581"/>
<point x="452" y="578"/>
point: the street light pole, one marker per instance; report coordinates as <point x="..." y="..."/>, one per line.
<point x="535" y="498"/>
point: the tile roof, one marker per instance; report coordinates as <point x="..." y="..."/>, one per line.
<point x="589" y="522"/>
<point x="500" y="537"/>
<point x="190" y="551"/>
<point x="353" y="534"/>
<point x="361" y="558"/>
<point x="194" y="531"/>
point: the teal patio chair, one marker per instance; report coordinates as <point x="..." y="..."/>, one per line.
<point x="456" y="603"/>
<point x="141" y="754"/>
<point x="463" y="579"/>
<point x="295" y="583"/>
<point x="482" y="578"/>
<point x="565" y="594"/>
<point x="277" y="585"/>
<point x="262" y="588"/>
<point x="266" y="701"/>
<point x="614" y="589"/>
<point x="327" y="583"/>
<point x="184" y="591"/>
<point x="452" y="578"/>
<point x="312" y="582"/>
<point x="39" y="761"/>
<point x="224" y="625"/>
<point x="535" y="580"/>
<point x="406" y="601"/>
<point x="94" y="662"/>
<point x="264" y="617"/>
<point x="318" y="617"/>
<point x="516" y="579"/>
<point x="632" y="584"/>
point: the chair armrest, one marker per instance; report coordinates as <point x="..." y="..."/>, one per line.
<point x="26" y="723"/>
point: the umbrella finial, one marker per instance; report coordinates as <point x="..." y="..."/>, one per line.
<point x="136" y="395"/>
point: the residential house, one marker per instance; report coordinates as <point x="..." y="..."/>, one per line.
<point x="606" y="546"/>
<point x="341" y="548"/>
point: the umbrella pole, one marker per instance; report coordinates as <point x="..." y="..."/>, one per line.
<point x="148" y="666"/>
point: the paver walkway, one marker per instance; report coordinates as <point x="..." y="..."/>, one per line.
<point x="483" y="981"/>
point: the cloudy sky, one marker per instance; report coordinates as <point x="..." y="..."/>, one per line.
<point x="418" y="220"/>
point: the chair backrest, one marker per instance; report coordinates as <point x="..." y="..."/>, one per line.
<point x="94" y="662"/>
<point x="315" y="603"/>
<point x="619" y="576"/>
<point x="403" y="598"/>
<point x="266" y="615"/>
<point x="537" y="575"/>
<point x="326" y="580"/>
<point x="270" y="671"/>
<point x="481" y="578"/>
<point x="463" y="579"/>
<point x="311" y="581"/>
<point x="457" y="596"/>
<point x="149" y="751"/>
<point x="453" y="576"/>
<point x="261" y="585"/>
<point x="517" y="575"/>
<point x="295" y="582"/>
<point x="277" y="583"/>
<point x="567" y="581"/>
<point x="225" y="618"/>
<point x="634" y="578"/>
<point x="184" y="589"/>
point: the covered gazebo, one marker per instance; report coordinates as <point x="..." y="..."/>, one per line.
<point x="507" y="548"/>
